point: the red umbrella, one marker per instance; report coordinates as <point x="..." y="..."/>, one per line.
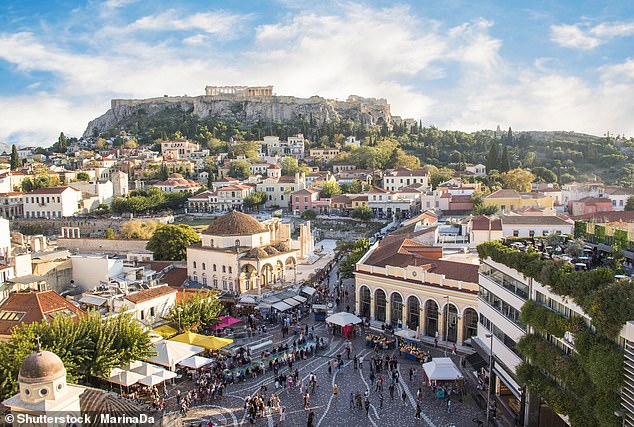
<point x="225" y="322"/>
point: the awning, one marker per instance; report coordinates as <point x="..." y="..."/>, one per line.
<point x="92" y="300"/>
<point x="125" y="378"/>
<point x="308" y="290"/>
<point x="292" y="302"/>
<point x="300" y="298"/>
<point x="320" y="307"/>
<point x="247" y="299"/>
<point x="152" y="380"/>
<point x="169" y="353"/>
<point x="280" y="306"/>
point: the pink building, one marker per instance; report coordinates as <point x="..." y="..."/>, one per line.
<point x="303" y="200"/>
<point x="589" y="205"/>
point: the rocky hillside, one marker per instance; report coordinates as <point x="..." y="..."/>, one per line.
<point x="248" y="110"/>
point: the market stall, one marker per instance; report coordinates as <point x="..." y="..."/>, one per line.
<point x="343" y="323"/>
<point x="441" y="369"/>
<point x="380" y="341"/>
<point x="412" y="352"/>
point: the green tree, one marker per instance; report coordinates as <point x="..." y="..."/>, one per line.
<point x="82" y="176"/>
<point x="239" y="169"/>
<point x="518" y="179"/>
<point x="629" y="206"/>
<point x="347" y="264"/>
<point x="169" y="242"/>
<point x="505" y="161"/>
<point x="543" y="174"/>
<point x="308" y="215"/>
<point x="493" y="160"/>
<point x="109" y="234"/>
<point x="62" y="144"/>
<point x="255" y="200"/>
<point x="102" y="209"/>
<point x="329" y="189"/>
<point x="90" y="346"/>
<point x="362" y="212"/>
<point x="201" y="309"/>
<point x="15" y="159"/>
<point x="289" y="166"/>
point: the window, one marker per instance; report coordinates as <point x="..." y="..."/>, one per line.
<point x="516" y="233"/>
<point x="224" y="284"/>
<point x="194" y="264"/>
<point x="230" y="270"/>
<point x="195" y="278"/>
<point x="224" y="268"/>
<point x="211" y="243"/>
<point x="237" y="242"/>
<point x="215" y="283"/>
<point x="305" y="200"/>
<point x="152" y="311"/>
<point x="204" y="266"/>
<point x="531" y="233"/>
<point x="545" y="233"/>
<point x="214" y="267"/>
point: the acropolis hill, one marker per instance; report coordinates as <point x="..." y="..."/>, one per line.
<point x="248" y="105"/>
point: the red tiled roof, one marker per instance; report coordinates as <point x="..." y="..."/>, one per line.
<point x="36" y="306"/>
<point x="480" y="223"/>
<point x="605" y="217"/>
<point x="502" y="194"/>
<point x="401" y="252"/>
<point x="148" y="294"/>
<point x="52" y="190"/>
<point x="175" y="277"/>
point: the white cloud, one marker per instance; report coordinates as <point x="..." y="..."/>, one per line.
<point x="115" y="4"/>
<point x="587" y="37"/>
<point x="453" y="77"/>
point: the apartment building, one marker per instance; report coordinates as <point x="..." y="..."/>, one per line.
<point x="53" y="202"/>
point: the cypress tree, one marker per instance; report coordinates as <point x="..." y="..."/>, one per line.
<point x="15" y="159"/>
<point x="505" y="162"/>
<point x="492" y="158"/>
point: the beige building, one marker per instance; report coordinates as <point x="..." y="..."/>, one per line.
<point x="403" y="282"/>
<point x="242" y="255"/>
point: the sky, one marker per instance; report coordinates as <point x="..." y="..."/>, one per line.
<point x="463" y="65"/>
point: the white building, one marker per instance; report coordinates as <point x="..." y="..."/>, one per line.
<point x="5" y="239"/>
<point x="402" y="177"/>
<point x="535" y="225"/>
<point x="104" y="190"/>
<point x="176" y="183"/>
<point x="477" y="170"/>
<point x="91" y="271"/>
<point x="178" y="149"/>
<point x="240" y="254"/>
<point x="11" y="205"/>
<point x="278" y="190"/>
<point x="293" y="146"/>
<point x="53" y="202"/>
<point x="120" y="183"/>
<point x="149" y="306"/>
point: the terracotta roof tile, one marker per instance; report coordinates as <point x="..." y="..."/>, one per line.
<point x="149" y="294"/>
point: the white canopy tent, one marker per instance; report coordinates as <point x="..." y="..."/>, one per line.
<point x="441" y="369"/>
<point x="146" y="369"/>
<point x="169" y="353"/>
<point x="280" y="306"/>
<point x="408" y="334"/>
<point x="195" y="362"/>
<point x="343" y="319"/>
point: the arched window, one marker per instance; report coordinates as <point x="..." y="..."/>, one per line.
<point x="413" y="312"/>
<point x="379" y="305"/>
<point x="194" y="264"/>
<point x="204" y="266"/>
<point x="214" y="267"/>
<point x="224" y="268"/>
<point x="230" y="270"/>
<point x="237" y="243"/>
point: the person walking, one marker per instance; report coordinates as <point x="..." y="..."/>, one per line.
<point x="391" y="388"/>
<point x="282" y="415"/>
<point x="311" y="418"/>
<point x="367" y="407"/>
<point x="449" y="405"/>
<point x="335" y="390"/>
<point x="381" y="400"/>
<point x="306" y="400"/>
<point x="404" y="397"/>
<point x="351" y="400"/>
<point x="355" y="361"/>
<point x="418" y="410"/>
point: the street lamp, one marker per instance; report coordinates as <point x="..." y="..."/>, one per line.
<point x="490" y="377"/>
<point x="179" y="310"/>
<point x="446" y="324"/>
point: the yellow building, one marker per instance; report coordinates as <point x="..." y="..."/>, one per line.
<point x="510" y="200"/>
<point x="406" y="283"/>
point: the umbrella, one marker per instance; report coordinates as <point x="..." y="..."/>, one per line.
<point x="225" y="322"/>
<point x="147" y="369"/>
<point x="152" y="380"/>
<point x="195" y="362"/>
<point x="169" y="353"/>
<point x="208" y="342"/>
<point x="166" y="331"/>
<point x="125" y="378"/>
<point x="343" y="319"/>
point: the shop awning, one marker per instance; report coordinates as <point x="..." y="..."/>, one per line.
<point x="292" y="302"/>
<point x="280" y="306"/>
<point x="343" y="319"/>
<point x="308" y="290"/>
<point x="300" y="298"/>
<point x="208" y="342"/>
